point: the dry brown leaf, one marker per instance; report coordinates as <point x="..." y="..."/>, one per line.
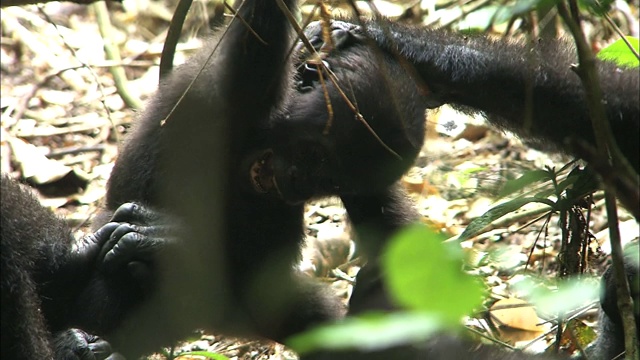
<point x="517" y="314"/>
<point x="34" y="164"/>
<point x="413" y="184"/>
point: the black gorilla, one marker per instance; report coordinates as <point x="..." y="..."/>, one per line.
<point x="321" y="151"/>
<point x="192" y="157"/>
<point x="205" y="151"/>
<point x="55" y="288"/>
<point x="475" y="74"/>
<point x="530" y="91"/>
<point x="229" y="148"/>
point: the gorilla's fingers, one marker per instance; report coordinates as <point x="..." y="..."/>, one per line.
<point x="134" y="213"/>
<point x="135" y="243"/>
<point x="75" y="344"/>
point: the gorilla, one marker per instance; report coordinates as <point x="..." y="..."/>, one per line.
<point x="235" y="140"/>
<point x="56" y="289"/>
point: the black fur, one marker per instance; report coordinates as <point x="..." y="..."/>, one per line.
<point x="56" y="288"/>
<point x="494" y="76"/>
<point x="235" y="274"/>
<point x="529" y="90"/>
<point x="241" y="151"/>
<point x="610" y="342"/>
<point x="475" y="74"/>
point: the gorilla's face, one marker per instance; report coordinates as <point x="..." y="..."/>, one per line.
<point x="300" y="165"/>
<point x="354" y="135"/>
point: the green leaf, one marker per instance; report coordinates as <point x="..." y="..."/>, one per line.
<point x="207" y="354"/>
<point x="481" y="222"/>
<point x="481" y="18"/>
<point x="583" y="334"/>
<point x="632" y="254"/>
<point x="579" y="184"/>
<point x="567" y="296"/>
<point x="371" y="331"/>
<point x="424" y="274"/>
<point x="528" y="178"/>
<point x="619" y="53"/>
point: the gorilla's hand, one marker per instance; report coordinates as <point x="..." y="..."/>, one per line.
<point x="140" y="234"/>
<point x="75" y="344"/>
<point x="347" y="40"/>
<point x="343" y="35"/>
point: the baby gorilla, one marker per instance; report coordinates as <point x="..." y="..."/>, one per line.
<point x="392" y="72"/>
<point x="319" y="151"/>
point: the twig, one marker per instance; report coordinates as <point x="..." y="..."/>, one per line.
<point x="173" y="35"/>
<point x="112" y="53"/>
<point x="604" y="140"/>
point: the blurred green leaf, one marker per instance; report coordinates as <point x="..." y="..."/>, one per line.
<point x="207" y="354"/>
<point x="424" y="274"/>
<point x="482" y="18"/>
<point x="619" y="53"/>
<point x="371" y="331"/>
<point x="566" y="296"/>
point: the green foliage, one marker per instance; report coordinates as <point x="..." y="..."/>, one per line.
<point x="567" y="192"/>
<point x="206" y="354"/>
<point x="583" y="334"/>
<point x="483" y="18"/>
<point x="478" y="224"/>
<point x="632" y="254"/>
<point x="561" y="297"/>
<point x="486" y="16"/>
<point x="528" y="178"/>
<point x="619" y="53"/>
<point x="371" y="331"/>
<point x="424" y="275"/>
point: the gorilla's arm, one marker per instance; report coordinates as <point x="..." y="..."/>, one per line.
<point x="376" y="218"/>
<point x="530" y="90"/>
<point x="198" y="153"/>
<point x="25" y="226"/>
<point x="380" y="215"/>
<point x="240" y="76"/>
